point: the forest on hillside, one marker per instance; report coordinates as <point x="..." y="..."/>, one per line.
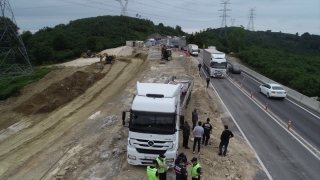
<point x="67" y="41"/>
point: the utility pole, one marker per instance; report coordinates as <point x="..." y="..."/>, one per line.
<point x="14" y="60"/>
<point x="124" y="11"/>
<point x="232" y="21"/>
<point x="224" y="18"/>
<point x="250" y="24"/>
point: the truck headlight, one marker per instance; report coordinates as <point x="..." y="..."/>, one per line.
<point x="131" y="157"/>
<point x="170" y="160"/>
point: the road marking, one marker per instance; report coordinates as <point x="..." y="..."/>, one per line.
<point x="257" y="156"/>
<point x="280" y="123"/>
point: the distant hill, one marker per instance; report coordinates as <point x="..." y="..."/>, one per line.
<point x="68" y="41"/>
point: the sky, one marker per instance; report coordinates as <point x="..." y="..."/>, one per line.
<point x="287" y="16"/>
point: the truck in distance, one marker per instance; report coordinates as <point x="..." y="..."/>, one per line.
<point x="155" y="116"/>
<point x="193" y="50"/>
<point x="214" y="62"/>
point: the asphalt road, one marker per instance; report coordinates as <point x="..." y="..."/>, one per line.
<point x="284" y="154"/>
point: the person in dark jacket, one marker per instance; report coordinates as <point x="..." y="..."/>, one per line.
<point x="207" y="131"/>
<point x="225" y="136"/>
<point x="181" y="172"/>
<point x="199" y="65"/>
<point x="186" y="134"/>
<point x="194" y="117"/>
<point x="208" y="81"/>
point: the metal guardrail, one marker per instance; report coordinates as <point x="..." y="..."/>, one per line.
<point x="305" y="100"/>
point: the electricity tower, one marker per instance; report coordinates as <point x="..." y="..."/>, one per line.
<point x="232" y="21"/>
<point x="224" y="18"/>
<point x="14" y="60"/>
<point x="250" y="24"/>
<point x="124" y="11"/>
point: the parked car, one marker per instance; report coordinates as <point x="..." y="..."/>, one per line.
<point x="235" y="69"/>
<point x="273" y="90"/>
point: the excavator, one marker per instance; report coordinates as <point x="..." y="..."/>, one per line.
<point x="108" y="59"/>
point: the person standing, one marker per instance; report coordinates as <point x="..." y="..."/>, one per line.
<point x="198" y="133"/>
<point x="207" y="127"/>
<point x="179" y="158"/>
<point x="194" y="117"/>
<point x="152" y="171"/>
<point x="195" y="169"/>
<point x="186" y="134"/>
<point x="162" y="166"/>
<point x="181" y="172"/>
<point x="199" y="66"/>
<point x="225" y="136"/>
<point x="208" y="81"/>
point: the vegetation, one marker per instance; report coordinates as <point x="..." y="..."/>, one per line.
<point x="16" y="84"/>
<point x="66" y="42"/>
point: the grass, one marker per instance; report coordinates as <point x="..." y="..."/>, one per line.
<point x="14" y="87"/>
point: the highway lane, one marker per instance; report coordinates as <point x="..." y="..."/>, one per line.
<point x="283" y="156"/>
<point x="307" y="125"/>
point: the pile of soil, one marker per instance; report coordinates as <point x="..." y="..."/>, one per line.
<point x="59" y="93"/>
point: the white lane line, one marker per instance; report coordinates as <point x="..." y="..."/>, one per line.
<point x="245" y="137"/>
<point x="270" y="114"/>
<point x="287" y="99"/>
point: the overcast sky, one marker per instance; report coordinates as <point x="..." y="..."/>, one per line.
<point x="287" y="16"/>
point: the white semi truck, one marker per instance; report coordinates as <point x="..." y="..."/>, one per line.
<point x="155" y="117"/>
<point x="214" y="62"/>
<point x="193" y="50"/>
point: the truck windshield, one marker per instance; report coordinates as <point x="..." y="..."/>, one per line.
<point x="222" y="65"/>
<point x="158" y="123"/>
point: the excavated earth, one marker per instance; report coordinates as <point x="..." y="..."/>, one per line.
<point x="68" y="124"/>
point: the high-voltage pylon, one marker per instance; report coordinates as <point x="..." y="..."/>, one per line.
<point x="224" y="18"/>
<point x="124" y="11"/>
<point x="14" y="60"/>
<point x="232" y="21"/>
<point x="250" y="24"/>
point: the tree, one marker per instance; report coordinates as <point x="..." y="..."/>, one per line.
<point x="60" y="42"/>
<point x="91" y="43"/>
<point x="237" y="38"/>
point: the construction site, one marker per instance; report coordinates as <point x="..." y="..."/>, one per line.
<point x="68" y="125"/>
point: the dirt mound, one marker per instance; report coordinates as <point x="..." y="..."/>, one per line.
<point x="140" y="55"/>
<point x="59" y="93"/>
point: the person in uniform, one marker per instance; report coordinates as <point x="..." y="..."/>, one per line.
<point x="162" y="166"/>
<point x="152" y="171"/>
<point x="207" y="131"/>
<point x="195" y="169"/>
<point x="181" y="172"/>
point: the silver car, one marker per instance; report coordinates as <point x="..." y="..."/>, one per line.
<point x="273" y="90"/>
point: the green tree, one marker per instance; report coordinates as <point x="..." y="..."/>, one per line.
<point x="60" y="42"/>
<point x="42" y="53"/>
<point x="91" y="43"/>
<point x="237" y="39"/>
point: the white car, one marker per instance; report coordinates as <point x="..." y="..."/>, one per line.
<point x="273" y="90"/>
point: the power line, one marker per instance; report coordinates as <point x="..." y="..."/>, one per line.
<point x="250" y="24"/>
<point x="224" y="18"/>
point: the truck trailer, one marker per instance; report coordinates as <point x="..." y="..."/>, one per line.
<point x="193" y="49"/>
<point x="214" y="62"/>
<point x="155" y="116"/>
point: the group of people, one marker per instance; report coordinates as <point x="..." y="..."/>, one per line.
<point x="158" y="168"/>
<point x="203" y="131"/>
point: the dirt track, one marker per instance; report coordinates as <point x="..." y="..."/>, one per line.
<point x="69" y="123"/>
